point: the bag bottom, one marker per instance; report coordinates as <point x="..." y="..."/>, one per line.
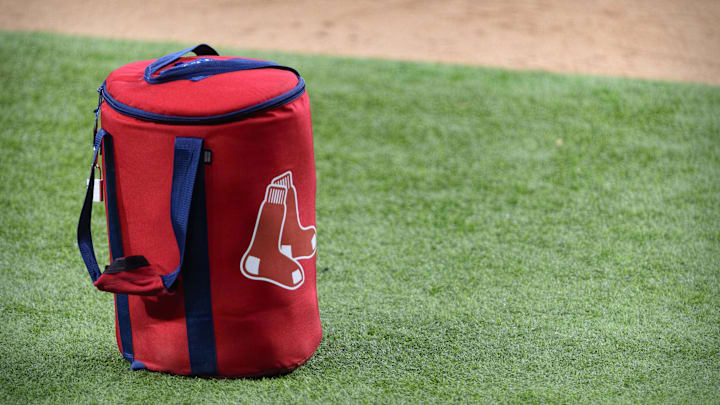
<point x="136" y="365"/>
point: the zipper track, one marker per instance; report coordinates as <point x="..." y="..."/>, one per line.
<point x="134" y="112"/>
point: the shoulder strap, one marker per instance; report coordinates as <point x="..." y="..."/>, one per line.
<point x="134" y="274"/>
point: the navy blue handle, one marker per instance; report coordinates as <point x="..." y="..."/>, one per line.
<point x="200" y="68"/>
<point x="185" y="168"/>
<point x="199" y="50"/>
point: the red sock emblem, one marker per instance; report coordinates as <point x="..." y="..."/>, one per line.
<point x="279" y="238"/>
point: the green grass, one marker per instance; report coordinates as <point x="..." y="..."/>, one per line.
<point x="465" y="254"/>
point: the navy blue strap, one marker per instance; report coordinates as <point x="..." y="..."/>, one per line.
<point x="199" y="50"/>
<point x="84" y="234"/>
<point x="201" y="68"/>
<point x="185" y="168"/>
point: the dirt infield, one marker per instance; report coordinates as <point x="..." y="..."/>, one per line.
<point x="665" y="39"/>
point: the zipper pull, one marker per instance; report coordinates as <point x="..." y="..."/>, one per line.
<point x="98" y="181"/>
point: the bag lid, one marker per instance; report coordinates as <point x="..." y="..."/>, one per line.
<point x="203" y="87"/>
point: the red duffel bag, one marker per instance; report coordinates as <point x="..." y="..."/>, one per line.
<point x="208" y="177"/>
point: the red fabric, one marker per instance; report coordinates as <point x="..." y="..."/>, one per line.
<point x="143" y="281"/>
<point x="260" y="328"/>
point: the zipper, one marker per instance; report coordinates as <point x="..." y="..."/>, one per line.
<point x="134" y="112"/>
<point x="97" y="112"/>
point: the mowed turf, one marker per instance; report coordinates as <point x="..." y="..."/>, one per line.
<point x="484" y="235"/>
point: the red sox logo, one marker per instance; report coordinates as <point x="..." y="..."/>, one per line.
<point x="279" y="240"/>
